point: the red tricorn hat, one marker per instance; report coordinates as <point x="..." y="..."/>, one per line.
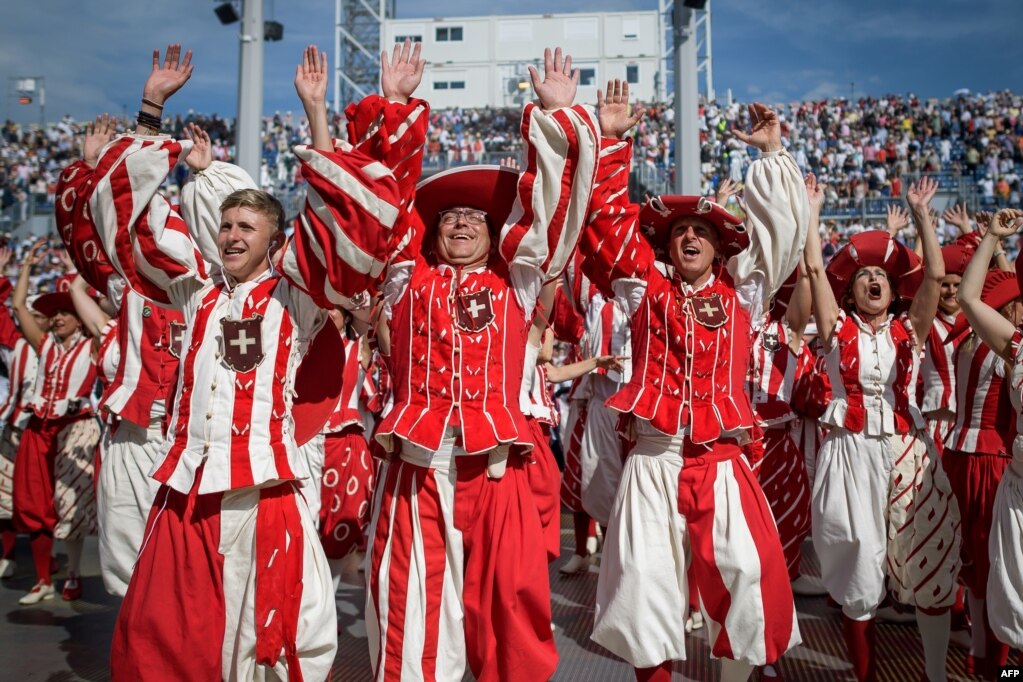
<point x="1000" y="287"/>
<point x="956" y="256"/>
<point x="318" y="383"/>
<point x="659" y="214"/>
<point x="875" y="248"/>
<point x="49" y="304"/>
<point x="491" y="189"/>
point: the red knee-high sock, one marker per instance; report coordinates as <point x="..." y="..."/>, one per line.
<point x="7" y="537"/>
<point x="42" y="545"/>
<point x="861" y="640"/>
<point x="581" y="525"/>
<point x="659" y="673"/>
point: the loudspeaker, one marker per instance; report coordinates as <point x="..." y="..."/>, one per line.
<point x="226" y="13"/>
<point x="273" y="30"/>
<point x="694" y="4"/>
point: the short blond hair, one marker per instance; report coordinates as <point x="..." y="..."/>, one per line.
<point x="261" y="202"/>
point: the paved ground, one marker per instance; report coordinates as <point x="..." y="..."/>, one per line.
<point x="62" y="642"/>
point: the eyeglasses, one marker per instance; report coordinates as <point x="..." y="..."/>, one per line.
<point x="472" y="216"/>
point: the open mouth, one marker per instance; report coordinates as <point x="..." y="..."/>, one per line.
<point x="462" y="237"/>
<point x="874" y="291"/>
<point x="690" y="251"/>
<point x="233" y="252"/>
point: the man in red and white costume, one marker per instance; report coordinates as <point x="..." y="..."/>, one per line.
<point x="458" y="572"/>
<point x="230" y="536"/>
<point x="687" y="476"/>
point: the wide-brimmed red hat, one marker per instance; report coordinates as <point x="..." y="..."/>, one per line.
<point x="49" y="304"/>
<point x="318" y="383"/>
<point x="491" y="189"/>
<point x="659" y="214"/>
<point x="875" y="248"/>
<point x="1000" y="287"/>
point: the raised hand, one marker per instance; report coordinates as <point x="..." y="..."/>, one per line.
<point x="765" y="130"/>
<point x="168" y="77"/>
<point x="36" y="252"/>
<point x="402" y="74"/>
<point x="65" y="259"/>
<point x="814" y="194"/>
<point x="613" y="110"/>
<point x="509" y="162"/>
<point x="201" y="156"/>
<point x="557" y="89"/>
<point x="1006" y="222"/>
<point x="97" y="135"/>
<point x="897" y="218"/>
<point x="983" y="220"/>
<point x="726" y="190"/>
<point x="920" y="194"/>
<point x="6" y="253"/>
<point x="957" y="215"/>
<point x="311" y="77"/>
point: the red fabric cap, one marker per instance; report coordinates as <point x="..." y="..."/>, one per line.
<point x="659" y="214"/>
<point x="492" y="189"/>
<point x="1000" y="287"/>
<point x="956" y="256"/>
<point x="318" y="383"/>
<point x="875" y="248"/>
<point x="49" y="304"/>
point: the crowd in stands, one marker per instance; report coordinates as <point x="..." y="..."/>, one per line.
<point x="862" y="151"/>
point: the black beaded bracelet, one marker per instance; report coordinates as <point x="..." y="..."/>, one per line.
<point x="148" y="120"/>
<point x="151" y="103"/>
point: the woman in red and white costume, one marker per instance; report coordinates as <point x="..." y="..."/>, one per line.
<point x="687" y="476"/>
<point x="882" y="505"/>
<point x="1004" y="604"/>
<point x="976" y="454"/>
<point x="230" y="536"/>
<point x="458" y="572"/>
<point x="54" y="494"/>
<point x="15" y="411"/>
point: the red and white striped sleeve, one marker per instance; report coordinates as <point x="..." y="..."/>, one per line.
<point x="75" y="226"/>
<point x="144" y="239"/>
<point x="612" y="244"/>
<point x="553" y="191"/>
<point x="341" y="239"/>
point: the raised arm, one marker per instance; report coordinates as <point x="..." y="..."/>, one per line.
<point x="202" y="196"/>
<point x="825" y="307"/>
<point x="92" y="316"/>
<point x="612" y="245"/>
<point x="925" y="301"/>
<point x="554" y="189"/>
<point x="19" y="300"/>
<point x="777" y="214"/>
<point x="341" y="239"/>
<point x="989" y="324"/>
<point x="1001" y="261"/>
<point x="9" y="333"/>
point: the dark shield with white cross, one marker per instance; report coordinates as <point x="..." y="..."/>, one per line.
<point x="177" y="338"/>
<point x="474" y="311"/>
<point x="242" y="343"/>
<point x="709" y="311"/>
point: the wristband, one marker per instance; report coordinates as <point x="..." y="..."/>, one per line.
<point x="151" y="103"/>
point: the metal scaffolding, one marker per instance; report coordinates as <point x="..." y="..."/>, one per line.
<point x="357" y="41"/>
<point x="704" y="59"/>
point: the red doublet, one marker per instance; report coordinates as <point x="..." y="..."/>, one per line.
<point x="690" y="358"/>
<point x="447" y="376"/>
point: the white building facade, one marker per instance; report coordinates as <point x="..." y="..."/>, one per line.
<point x="481" y="61"/>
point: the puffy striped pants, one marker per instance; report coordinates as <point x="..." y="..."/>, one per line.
<point x="458" y="573"/>
<point x="708" y="509"/>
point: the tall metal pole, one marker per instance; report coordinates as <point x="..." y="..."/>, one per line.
<point x="687" y="133"/>
<point x="250" y="88"/>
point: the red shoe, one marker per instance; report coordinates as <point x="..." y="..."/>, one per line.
<point x="973" y="664"/>
<point x="72" y="588"/>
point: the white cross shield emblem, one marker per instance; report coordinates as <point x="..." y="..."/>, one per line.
<point x="242" y="343"/>
<point x="177" y="338"/>
<point x="709" y="311"/>
<point x="473" y="312"/>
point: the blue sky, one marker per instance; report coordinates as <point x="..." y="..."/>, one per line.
<point x="94" y="55"/>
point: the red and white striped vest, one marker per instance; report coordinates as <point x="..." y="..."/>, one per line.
<point x="773" y="375"/>
<point x="984" y="418"/>
<point x="873" y="377"/>
<point x="686" y="374"/>
<point x="938" y="390"/>
<point x="347" y="412"/>
<point x="65" y="378"/>
<point x="445" y="376"/>
<point x="17" y="409"/>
